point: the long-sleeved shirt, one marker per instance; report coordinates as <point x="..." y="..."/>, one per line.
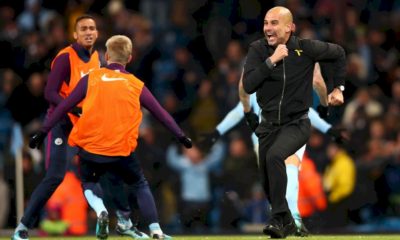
<point x="147" y="100"/>
<point x="60" y="73"/>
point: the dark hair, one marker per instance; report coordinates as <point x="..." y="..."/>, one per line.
<point x="80" y="18"/>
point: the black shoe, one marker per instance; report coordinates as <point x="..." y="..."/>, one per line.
<point x="290" y="228"/>
<point x="302" y="231"/>
<point x="274" y="229"/>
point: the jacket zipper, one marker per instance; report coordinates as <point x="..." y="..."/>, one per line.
<point x="283" y="92"/>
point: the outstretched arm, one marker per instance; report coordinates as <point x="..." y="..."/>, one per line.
<point x="77" y="95"/>
<point x="237" y="113"/>
<point x="231" y="119"/>
<point x="150" y="103"/>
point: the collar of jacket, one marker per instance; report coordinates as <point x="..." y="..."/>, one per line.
<point x="82" y="52"/>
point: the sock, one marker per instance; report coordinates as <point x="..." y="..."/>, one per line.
<point x="292" y="192"/>
<point x="95" y="202"/>
<point x="21" y="227"/>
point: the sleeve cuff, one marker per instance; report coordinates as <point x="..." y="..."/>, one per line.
<point x="270" y="65"/>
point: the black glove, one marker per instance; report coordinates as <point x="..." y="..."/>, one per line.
<point x="185" y="141"/>
<point x="37" y="139"/>
<point x="252" y="120"/>
<point x="77" y="111"/>
<point x="323" y="112"/>
<point x="338" y="135"/>
<point x="208" y="140"/>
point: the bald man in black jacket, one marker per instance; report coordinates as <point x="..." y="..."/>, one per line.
<point x="280" y="68"/>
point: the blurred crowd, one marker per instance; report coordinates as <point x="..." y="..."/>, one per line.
<point x="189" y="54"/>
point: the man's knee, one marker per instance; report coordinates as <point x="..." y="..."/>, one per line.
<point x="274" y="156"/>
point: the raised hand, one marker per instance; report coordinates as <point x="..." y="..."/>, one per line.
<point x="335" y="98"/>
<point x="281" y="52"/>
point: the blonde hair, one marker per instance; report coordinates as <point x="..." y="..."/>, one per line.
<point x="119" y="49"/>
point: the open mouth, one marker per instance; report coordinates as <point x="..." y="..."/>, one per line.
<point x="271" y="36"/>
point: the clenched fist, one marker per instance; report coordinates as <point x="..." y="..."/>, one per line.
<point x="335" y="98"/>
<point x="281" y="51"/>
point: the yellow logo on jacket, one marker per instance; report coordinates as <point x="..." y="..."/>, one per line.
<point x="298" y="51"/>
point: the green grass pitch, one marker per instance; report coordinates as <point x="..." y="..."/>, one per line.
<point x="238" y="237"/>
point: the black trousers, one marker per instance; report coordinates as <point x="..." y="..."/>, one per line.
<point x="276" y="143"/>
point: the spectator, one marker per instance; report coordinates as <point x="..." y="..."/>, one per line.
<point x="53" y="225"/>
<point x="339" y="180"/>
<point x="34" y="17"/>
<point x="312" y="200"/>
<point x="240" y="162"/>
<point x="31" y="175"/>
<point x="195" y="196"/>
<point x="370" y="167"/>
<point x="27" y="102"/>
<point x="8" y="82"/>
<point x="256" y="207"/>
<point x="362" y="99"/>
<point x="240" y="202"/>
<point x="204" y="115"/>
<point x="72" y="207"/>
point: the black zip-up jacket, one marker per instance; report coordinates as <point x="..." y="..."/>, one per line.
<point x="284" y="92"/>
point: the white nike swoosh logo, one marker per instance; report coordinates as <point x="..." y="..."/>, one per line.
<point x="111" y="79"/>
<point x="84" y="74"/>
